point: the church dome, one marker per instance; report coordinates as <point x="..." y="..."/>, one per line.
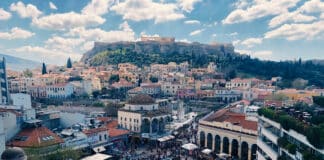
<point x="141" y="99"/>
<point x="14" y="153"/>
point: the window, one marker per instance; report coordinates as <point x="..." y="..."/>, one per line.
<point x="100" y="138"/>
<point x="105" y="136"/>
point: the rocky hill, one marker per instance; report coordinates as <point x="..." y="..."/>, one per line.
<point x="154" y="52"/>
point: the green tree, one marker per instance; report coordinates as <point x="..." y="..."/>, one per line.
<point x="69" y="63"/>
<point x="114" y="78"/>
<point x="44" y="71"/>
<point x="299" y="83"/>
<point x="27" y="73"/>
<point x="111" y="109"/>
<point x="154" y="79"/>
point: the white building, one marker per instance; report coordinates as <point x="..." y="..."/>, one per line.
<point x="142" y="115"/>
<point x="2" y="137"/>
<point x="4" y="94"/>
<point x="59" y="91"/>
<point x="170" y="88"/>
<point x="239" y="83"/>
<point x="269" y="135"/>
<point x="228" y="132"/>
<point x="97" y="136"/>
<point x="11" y="123"/>
<point x="21" y="100"/>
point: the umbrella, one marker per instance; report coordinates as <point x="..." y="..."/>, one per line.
<point x="189" y="146"/>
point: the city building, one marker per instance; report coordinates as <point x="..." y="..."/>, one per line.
<point x="228" y="132"/>
<point x="142" y="114"/>
<point x="170" y="88"/>
<point x="227" y="95"/>
<point x="59" y="91"/>
<point x="21" y="100"/>
<point x="4" y="93"/>
<point x="97" y="136"/>
<point x="276" y="142"/>
<point x="2" y="137"/>
<point x="35" y="137"/>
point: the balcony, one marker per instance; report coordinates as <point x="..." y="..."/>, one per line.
<point x="267" y="149"/>
<point x="270" y="135"/>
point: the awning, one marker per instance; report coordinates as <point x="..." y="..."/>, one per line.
<point x="98" y="156"/>
<point x="99" y="149"/>
<point x="206" y="151"/>
<point x="166" y="138"/>
<point x="189" y="146"/>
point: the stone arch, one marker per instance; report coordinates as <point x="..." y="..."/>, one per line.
<point x="145" y="125"/>
<point x="161" y="125"/>
<point x="235" y="148"/>
<point x="209" y="141"/>
<point x="217" y="144"/>
<point x="253" y="151"/>
<point x="202" y="139"/>
<point x="225" y="145"/>
<point x="155" y="125"/>
<point x="244" y="151"/>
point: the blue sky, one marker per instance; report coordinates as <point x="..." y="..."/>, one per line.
<point x="51" y="31"/>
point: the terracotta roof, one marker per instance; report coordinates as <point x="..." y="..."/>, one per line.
<point x="117" y="132"/>
<point x="112" y="124"/>
<point x="35" y="137"/>
<point x="225" y="115"/>
<point x="94" y="130"/>
<point x="11" y="110"/>
<point x="143" y="99"/>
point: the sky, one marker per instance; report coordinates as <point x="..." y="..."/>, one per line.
<point x="51" y="31"/>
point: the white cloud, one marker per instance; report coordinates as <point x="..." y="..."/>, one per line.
<point x="184" y="41"/>
<point x="16" y="33"/>
<point x="49" y="56"/>
<point x="298" y="31"/>
<point x="97" y="7"/>
<point x="233" y="34"/>
<point x="196" y="32"/>
<point x="312" y="6"/>
<point x="64" y="21"/>
<point x="87" y="46"/>
<point x="52" y="6"/>
<point x="236" y="42"/>
<point x="241" y="4"/>
<point x="259" y="9"/>
<point x="214" y="35"/>
<point x="263" y="54"/>
<point x="4" y="15"/>
<point x="187" y="5"/>
<point x="139" y="10"/>
<point x="322" y="16"/>
<point x="295" y="17"/>
<point x="192" y="22"/>
<point x="250" y="42"/>
<point x="124" y="34"/>
<point x="25" y="11"/>
<point x="63" y="43"/>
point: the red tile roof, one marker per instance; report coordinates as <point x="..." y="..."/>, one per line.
<point x="35" y="137"/>
<point x="113" y="132"/>
<point x="225" y="115"/>
<point x="112" y="124"/>
<point x="94" y="130"/>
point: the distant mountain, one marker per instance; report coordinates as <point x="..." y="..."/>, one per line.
<point x="19" y="64"/>
<point x="318" y="61"/>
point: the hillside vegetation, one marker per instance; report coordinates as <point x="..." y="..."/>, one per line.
<point x="199" y="55"/>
